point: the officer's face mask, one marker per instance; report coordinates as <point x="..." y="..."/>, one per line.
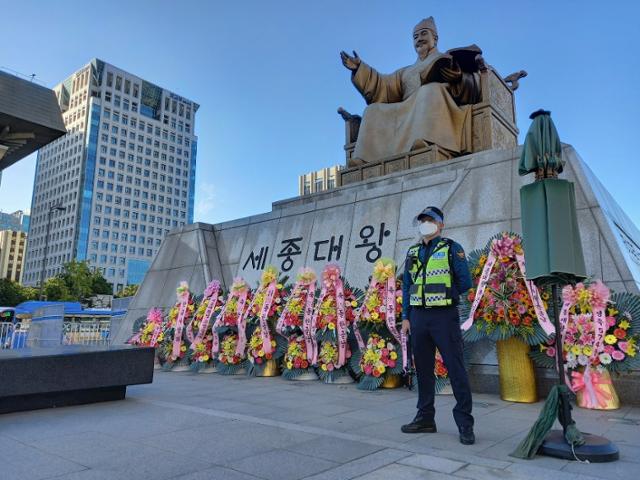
<point x="427" y="229"/>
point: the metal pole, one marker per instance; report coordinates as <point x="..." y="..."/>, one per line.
<point x="44" y="260"/>
<point x="564" y="413"/>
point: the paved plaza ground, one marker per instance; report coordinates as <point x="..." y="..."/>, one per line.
<point x="193" y="427"/>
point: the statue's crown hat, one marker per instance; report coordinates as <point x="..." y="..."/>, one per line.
<point x="428" y="23"/>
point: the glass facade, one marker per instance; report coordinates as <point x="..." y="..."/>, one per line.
<point x="87" y="190"/>
<point x="150" y="100"/>
<point x="192" y="181"/>
<point x="136" y="271"/>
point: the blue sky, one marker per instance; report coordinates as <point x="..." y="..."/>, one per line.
<point x="268" y="77"/>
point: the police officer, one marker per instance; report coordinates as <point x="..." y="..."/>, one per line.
<point x="436" y="273"/>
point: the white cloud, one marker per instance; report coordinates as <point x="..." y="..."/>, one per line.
<point x="206" y="200"/>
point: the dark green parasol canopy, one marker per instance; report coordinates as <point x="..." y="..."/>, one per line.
<point x="550" y="231"/>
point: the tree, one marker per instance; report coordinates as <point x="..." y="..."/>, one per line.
<point x="55" y="289"/>
<point x="10" y="293"/>
<point x="128" y="291"/>
<point x="78" y="279"/>
<point x="99" y="284"/>
<point x="29" y="293"/>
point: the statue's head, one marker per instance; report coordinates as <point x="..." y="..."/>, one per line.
<point x="425" y="37"/>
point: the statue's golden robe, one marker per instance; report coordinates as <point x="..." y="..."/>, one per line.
<point x="415" y="105"/>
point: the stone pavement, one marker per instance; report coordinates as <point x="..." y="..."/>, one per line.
<point x="193" y="427"/>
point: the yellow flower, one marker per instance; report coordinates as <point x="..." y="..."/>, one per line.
<point x="576" y="350"/>
<point x="183" y="348"/>
<point x="381" y="344"/>
<point x="624" y="324"/>
<point x="324" y="367"/>
<point x="205" y="358"/>
<point x="393" y="355"/>
<point x="610" y="339"/>
<point x="375" y="315"/>
<point x="354" y="303"/>
<point x="289" y="365"/>
<point x="279" y="286"/>
<point x="332" y="326"/>
<point x="587" y="350"/>
<point x="261" y="353"/>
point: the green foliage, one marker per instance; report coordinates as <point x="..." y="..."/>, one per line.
<point x="10" y="293"/>
<point x="99" y="284"/>
<point x="77" y="282"/>
<point x="29" y="293"/>
<point x="294" y="372"/>
<point x="128" y="291"/>
<point x="55" y="289"/>
<point x="78" y="279"/>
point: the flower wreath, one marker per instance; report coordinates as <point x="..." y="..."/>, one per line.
<point x="503" y="304"/>
<point x="199" y="331"/>
<point x="150" y="333"/>
<point x="174" y="344"/>
<point x="265" y="307"/>
<point x="295" y="324"/>
<point x="227" y="331"/>
<point x="600" y="331"/>
<point x="333" y="318"/>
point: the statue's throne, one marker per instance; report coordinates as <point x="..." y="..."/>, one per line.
<point x="493" y="127"/>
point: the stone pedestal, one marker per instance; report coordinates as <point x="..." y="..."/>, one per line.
<point x="358" y="223"/>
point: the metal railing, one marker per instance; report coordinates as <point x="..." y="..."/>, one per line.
<point x="84" y="332"/>
<point x="13" y="335"/>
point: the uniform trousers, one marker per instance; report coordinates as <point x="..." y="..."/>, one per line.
<point x="439" y="327"/>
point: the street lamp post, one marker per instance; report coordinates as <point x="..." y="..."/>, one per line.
<point x="52" y="208"/>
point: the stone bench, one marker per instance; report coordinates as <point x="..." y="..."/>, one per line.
<point x="34" y="378"/>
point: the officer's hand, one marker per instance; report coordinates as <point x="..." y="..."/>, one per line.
<point x="406" y="327"/>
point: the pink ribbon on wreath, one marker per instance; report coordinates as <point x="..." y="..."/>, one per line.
<point x="534" y="293"/>
<point x="264" y="313"/>
<point x="242" y="322"/>
<point x="308" y="328"/>
<point x="593" y="383"/>
<point x="342" y="324"/>
<point x="295" y="293"/>
<point x="241" y="297"/>
<point x="153" y="341"/>
<point x="183" y="297"/>
<point x="373" y="286"/>
<point x="302" y="288"/>
<point x="391" y="319"/>
<point x="314" y="322"/>
<point x="482" y="285"/>
<point x="211" y="293"/>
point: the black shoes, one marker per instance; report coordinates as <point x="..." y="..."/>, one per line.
<point x="467" y="437"/>
<point x="420" y="425"/>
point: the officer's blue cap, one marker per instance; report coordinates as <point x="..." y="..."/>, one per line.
<point x="432" y="212"/>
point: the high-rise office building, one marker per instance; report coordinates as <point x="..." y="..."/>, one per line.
<point x="12" y="244"/>
<point x="118" y="182"/>
<point x="318" y="181"/>
<point x="14" y="221"/>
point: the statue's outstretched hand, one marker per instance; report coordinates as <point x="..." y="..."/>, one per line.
<point x="352" y="63"/>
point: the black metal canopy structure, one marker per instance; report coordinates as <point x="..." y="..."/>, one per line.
<point x="29" y="118"/>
